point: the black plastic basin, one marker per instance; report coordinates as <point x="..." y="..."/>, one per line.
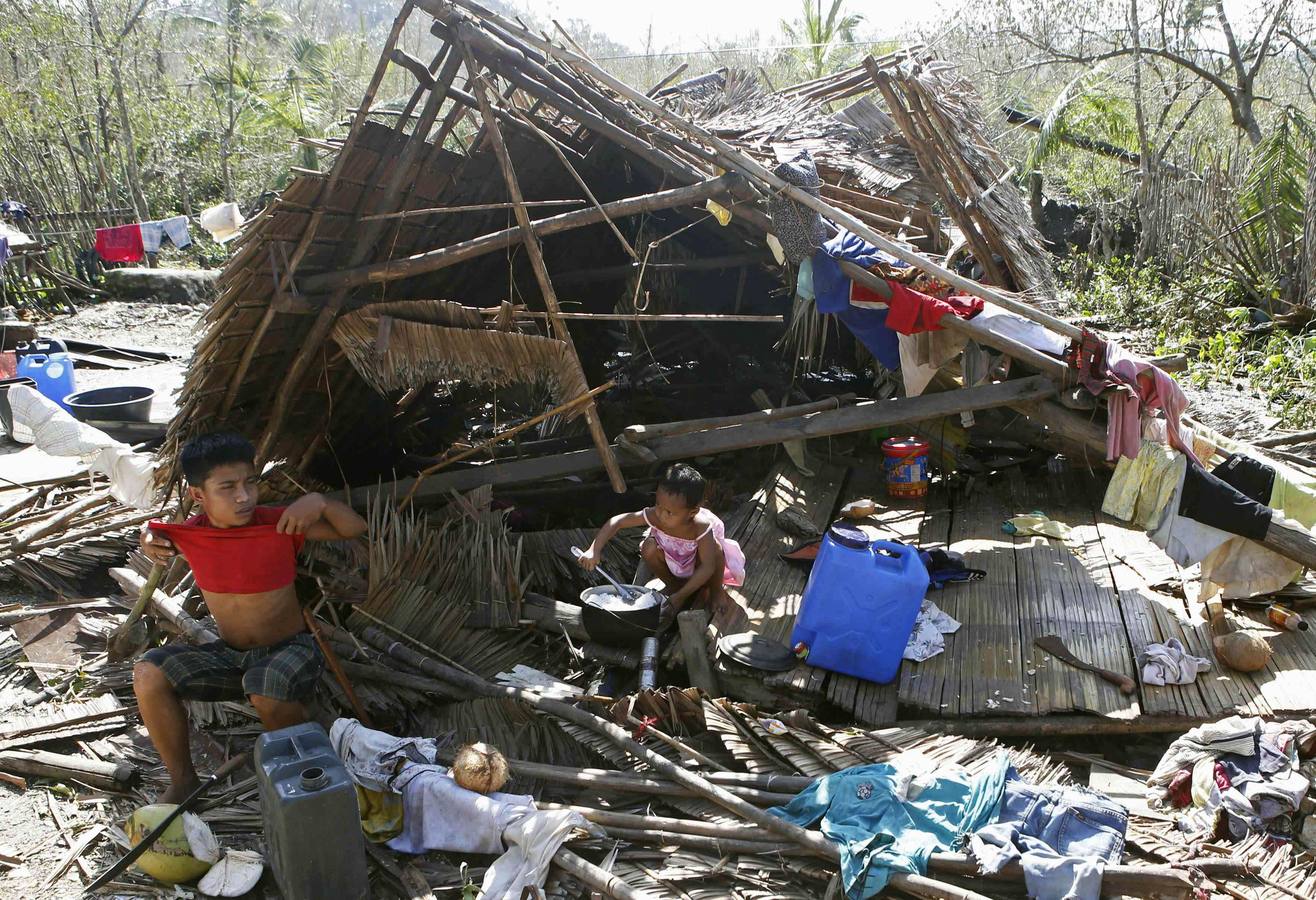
<point x="126" y="403"/>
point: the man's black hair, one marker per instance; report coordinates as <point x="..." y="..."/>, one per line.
<point x="683" y="481"/>
<point x="204" y="453"/>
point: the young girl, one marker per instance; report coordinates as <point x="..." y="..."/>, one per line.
<point x="686" y="546"/>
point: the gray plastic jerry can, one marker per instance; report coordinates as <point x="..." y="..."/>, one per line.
<point x="312" y="826"/>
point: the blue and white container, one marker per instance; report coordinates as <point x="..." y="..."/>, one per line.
<point x="47" y="362"/>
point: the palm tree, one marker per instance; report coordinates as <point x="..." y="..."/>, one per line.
<point x="820" y="33"/>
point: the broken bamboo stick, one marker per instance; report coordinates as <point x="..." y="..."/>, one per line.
<point x="165" y="607"/>
<point x="860" y="417"/>
<point x="536" y="255"/>
<point x="595" y="877"/>
<point x="441" y="258"/>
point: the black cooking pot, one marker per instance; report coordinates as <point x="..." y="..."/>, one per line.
<point x="611" y="619"/>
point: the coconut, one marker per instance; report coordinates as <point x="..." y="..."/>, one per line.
<point x="480" y="768"/>
<point x="1242" y="651"/>
<point x="172" y="859"/>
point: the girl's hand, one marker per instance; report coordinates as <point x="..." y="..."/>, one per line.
<point x="588" y="560"/>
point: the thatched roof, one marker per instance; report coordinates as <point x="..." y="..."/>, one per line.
<point x="285" y="355"/>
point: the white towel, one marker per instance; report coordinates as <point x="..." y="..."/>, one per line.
<point x="1170" y="663"/>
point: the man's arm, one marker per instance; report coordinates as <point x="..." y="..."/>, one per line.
<point x="321" y="519"/>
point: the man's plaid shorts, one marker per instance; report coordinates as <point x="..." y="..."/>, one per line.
<point x="215" y="671"/>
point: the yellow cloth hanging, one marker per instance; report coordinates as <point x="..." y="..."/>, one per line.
<point x="1141" y="489"/>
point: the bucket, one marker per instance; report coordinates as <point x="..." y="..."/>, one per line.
<point x="906" y="466"/>
<point x="611" y="619"/>
<point x="124" y="403"/>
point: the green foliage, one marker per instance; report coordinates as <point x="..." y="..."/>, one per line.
<point x="822" y="31"/>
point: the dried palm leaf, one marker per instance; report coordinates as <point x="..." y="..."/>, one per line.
<point x="394" y="349"/>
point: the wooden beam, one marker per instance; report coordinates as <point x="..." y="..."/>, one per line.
<point x="698" y="264"/>
<point x="861" y="417"/>
<point x="441" y="258"/>
<point x="536" y="255"/>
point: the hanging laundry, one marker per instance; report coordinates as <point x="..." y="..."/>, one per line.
<point x="121" y="244"/>
<point x="176" y="229"/>
<point x="886" y="821"/>
<point x="1203" y="514"/>
<point x="832" y="293"/>
<point x="1140" y="385"/>
<point x="224" y="221"/>
<point x="799" y="229"/>
<point x="928" y="638"/>
<point x="1170" y="663"/>
<point x="1141" y="489"/>
<point x="911" y="312"/>
<point x="5" y="252"/>
<point x="1251" y="476"/>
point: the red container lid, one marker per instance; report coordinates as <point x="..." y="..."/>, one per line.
<point x="904" y="446"/>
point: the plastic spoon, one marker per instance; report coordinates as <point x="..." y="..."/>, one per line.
<point x="625" y="592"/>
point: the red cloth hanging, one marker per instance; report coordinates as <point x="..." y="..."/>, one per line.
<point x="912" y="312"/>
<point x="252" y="559"/>
<point x="122" y="243"/>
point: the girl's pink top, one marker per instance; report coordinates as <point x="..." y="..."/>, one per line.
<point x="681" y="552"/>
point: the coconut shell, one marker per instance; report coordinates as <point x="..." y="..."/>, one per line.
<point x="480" y="768"/>
<point x="171" y="858"/>
<point x="1242" y="651"/>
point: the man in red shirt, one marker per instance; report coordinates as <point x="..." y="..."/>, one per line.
<point x="243" y="557"/>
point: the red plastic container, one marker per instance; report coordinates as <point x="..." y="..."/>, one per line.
<point x="906" y="466"/>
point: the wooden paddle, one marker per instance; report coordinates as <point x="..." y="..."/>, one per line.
<point x="1052" y="643"/>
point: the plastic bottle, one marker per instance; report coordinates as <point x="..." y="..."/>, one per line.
<point x="1283" y="617"/>
<point x="47" y="362"/>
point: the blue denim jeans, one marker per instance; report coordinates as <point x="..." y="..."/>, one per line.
<point x="1063" y="837"/>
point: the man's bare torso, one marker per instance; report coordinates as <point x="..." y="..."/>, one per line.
<point x="247" y="621"/>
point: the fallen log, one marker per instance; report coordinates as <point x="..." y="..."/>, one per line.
<point x="433" y="260"/>
<point x="860" y="417"/>
<point x="693" y="626"/>
<point x="110" y="776"/>
<point x="624" y="782"/>
<point x="554" y="615"/>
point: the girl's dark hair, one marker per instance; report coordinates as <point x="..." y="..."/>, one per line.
<point x="204" y="453"/>
<point x="683" y="481"/>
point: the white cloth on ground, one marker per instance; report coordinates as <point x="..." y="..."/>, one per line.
<point x="532" y="841"/>
<point x="439" y="814"/>
<point x="1170" y="663"/>
<point x="41" y="421"/>
<point x="927" y="639"/>
<point x="374" y="758"/>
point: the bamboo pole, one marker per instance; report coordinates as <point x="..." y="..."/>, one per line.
<point x="668" y="429"/>
<point x="744" y="163"/>
<point x="441" y="258"/>
<point x="536" y="255"/>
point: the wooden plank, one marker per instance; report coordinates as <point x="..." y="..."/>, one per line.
<point x="693" y="624"/>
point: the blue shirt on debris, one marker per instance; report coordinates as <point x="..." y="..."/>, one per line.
<point x="879" y="833"/>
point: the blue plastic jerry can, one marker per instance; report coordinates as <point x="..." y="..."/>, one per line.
<point x="860" y="605"/>
<point x="47" y="362"/>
